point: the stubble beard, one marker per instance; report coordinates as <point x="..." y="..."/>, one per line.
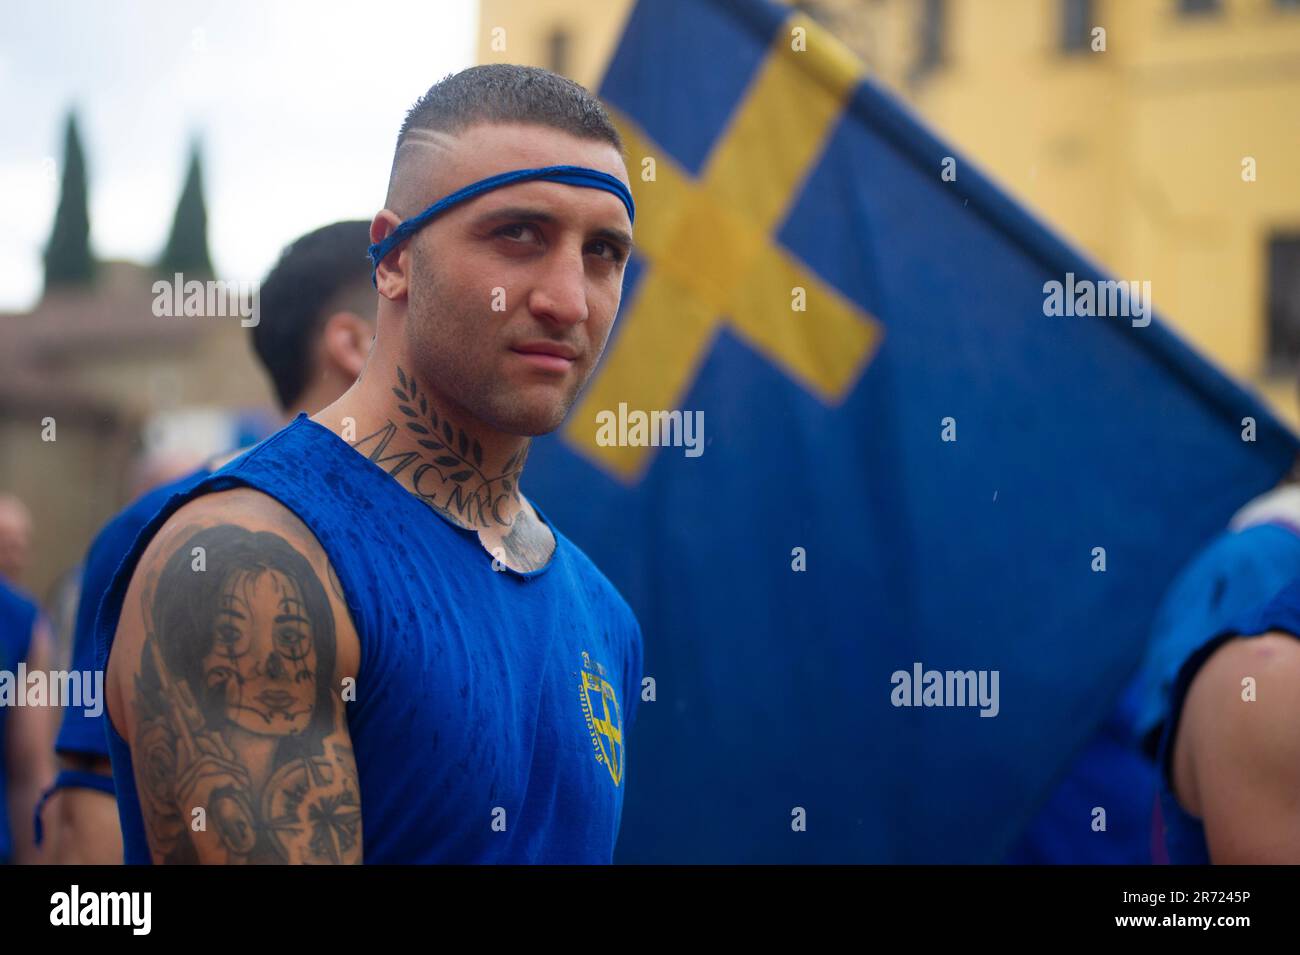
<point x="434" y="320"/>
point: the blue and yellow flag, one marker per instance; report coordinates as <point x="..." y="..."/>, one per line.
<point x="899" y="576"/>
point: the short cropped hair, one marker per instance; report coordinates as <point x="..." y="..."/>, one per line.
<point x="312" y="272"/>
<point x="509" y="93"/>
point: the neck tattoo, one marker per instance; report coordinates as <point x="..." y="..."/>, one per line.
<point x="448" y="475"/>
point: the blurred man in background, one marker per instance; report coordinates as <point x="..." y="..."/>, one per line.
<point x="1221" y="594"/>
<point x="1228" y="750"/>
<point x="317" y="311"/>
<point x="26" y="763"/>
<point x="1230" y="753"/>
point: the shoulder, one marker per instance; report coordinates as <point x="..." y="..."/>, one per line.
<point x="594" y="581"/>
<point x="615" y="614"/>
<point x="15" y="600"/>
<point x="211" y="554"/>
<point x="1247" y="693"/>
<point x="1236" y="574"/>
<point x="19" y="616"/>
<point x="1250" y="564"/>
<point x="242" y="507"/>
<point x="1236" y="756"/>
<point x="116" y="537"/>
<point x="1247" y="548"/>
<point x="221" y="519"/>
<point x="19" y="610"/>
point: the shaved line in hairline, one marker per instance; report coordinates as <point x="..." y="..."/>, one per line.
<point x="406" y="195"/>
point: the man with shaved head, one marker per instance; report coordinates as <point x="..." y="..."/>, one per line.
<point x="362" y="641"/>
<point x="25" y="731"/>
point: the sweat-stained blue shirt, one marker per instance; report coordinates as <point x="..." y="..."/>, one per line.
<point x="492" y="708"/>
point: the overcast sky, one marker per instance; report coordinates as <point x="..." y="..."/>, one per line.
<point x="296" y="106"/>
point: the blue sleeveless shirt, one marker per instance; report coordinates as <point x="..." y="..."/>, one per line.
<point x="18" y="614"/>
<point x="491" y="709"/>
<point x="1184" y="834"/>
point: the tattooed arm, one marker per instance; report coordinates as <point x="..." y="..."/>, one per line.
<point x="225" y="678"/>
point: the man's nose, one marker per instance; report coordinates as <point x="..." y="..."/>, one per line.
<point x="560" y="295"/>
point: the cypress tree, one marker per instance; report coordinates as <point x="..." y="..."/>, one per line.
<point x="187" y="247"/>
<point x="67" y="255"/>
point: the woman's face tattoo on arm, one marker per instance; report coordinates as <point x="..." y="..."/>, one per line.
<point x="262" y="660"/>
<point x="237" y="715"/>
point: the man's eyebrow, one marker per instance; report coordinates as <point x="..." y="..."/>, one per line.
<point x="614" y="235"/>
<point x="526" y="214"/>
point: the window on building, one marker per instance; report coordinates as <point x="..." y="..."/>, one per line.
<point x="1288" y="4"/>
<point x="931" y="39"/>
<point x="1076" y="25"/>
<point x="1197" y="7"/>
<point x="557" y="51"/>
<point x="1284" y="304"/>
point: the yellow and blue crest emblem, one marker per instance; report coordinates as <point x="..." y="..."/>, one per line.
<point x="604" y="718"/>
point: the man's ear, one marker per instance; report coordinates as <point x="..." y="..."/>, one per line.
<point x="345" y="342"/>
<point x="391" y="277"/>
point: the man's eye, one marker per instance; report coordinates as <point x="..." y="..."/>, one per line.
<point x="616" y="254"/>
<point x="519" y="225"/>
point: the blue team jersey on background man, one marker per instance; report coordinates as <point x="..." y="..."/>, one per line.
<point x="18" y="613"/>
<point x="1238" y="572"/>
<point x="81" y="733"/>
<point x="492" y="708"/>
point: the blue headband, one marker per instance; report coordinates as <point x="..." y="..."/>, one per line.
<point x="569" y="175"/>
